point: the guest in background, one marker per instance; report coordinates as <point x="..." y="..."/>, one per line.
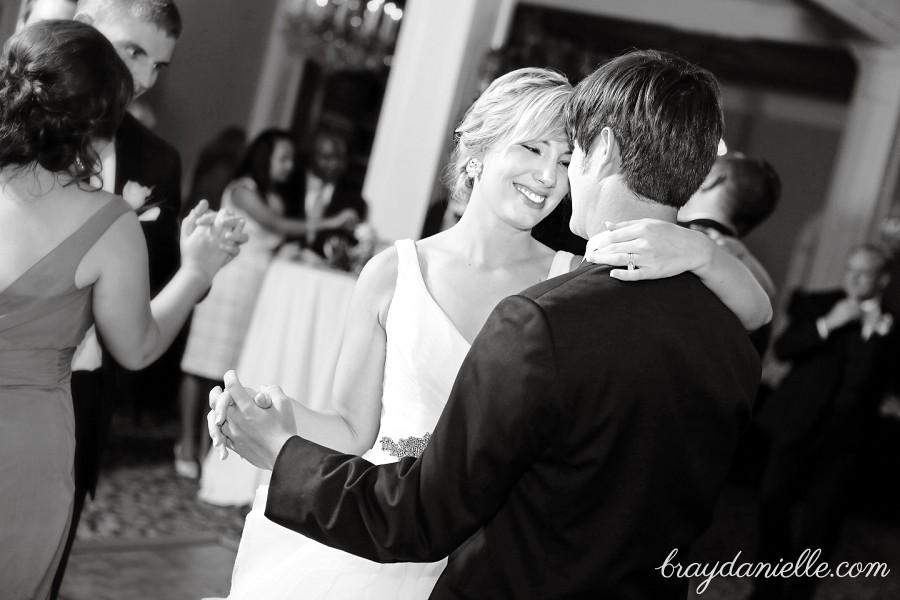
<point x="72" y="255"/>
<point x="739" y="193"/>
<point x="220" y="322"/>
<point x="146" y="171"/>
<point x="43" y="10"/>
<point x="216" y="166"/>
<point x="889" y="242"/>
<point x="323" y="196"/>
<point x="883" y="455"/>
<point x="737" y="196"/>
<point x="843" y="346"/>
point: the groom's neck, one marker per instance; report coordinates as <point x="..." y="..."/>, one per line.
<point x="629" y="207"/>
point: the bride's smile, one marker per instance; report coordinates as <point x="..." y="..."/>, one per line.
<point x="531" y="195"/>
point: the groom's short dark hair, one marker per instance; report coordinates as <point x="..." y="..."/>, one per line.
<point x="666" y="116"/>
<point x="163" y="14"/>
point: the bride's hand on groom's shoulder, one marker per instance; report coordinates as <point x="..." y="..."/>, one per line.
<point x="649" y="249"/>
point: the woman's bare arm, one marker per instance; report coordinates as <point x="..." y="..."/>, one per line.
<point x="661" y="249"/>
<point x="256" y="207"/>
<point x="135" y="330"/>
<point x="352" y="425"/>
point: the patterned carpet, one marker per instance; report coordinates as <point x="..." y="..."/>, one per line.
<point x="139" y="496"/>
<point x="147" y="537"/>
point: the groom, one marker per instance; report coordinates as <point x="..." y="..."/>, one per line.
<point x="592" y="423"/>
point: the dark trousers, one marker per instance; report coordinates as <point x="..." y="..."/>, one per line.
<point x="86" y="390"/>
<point x="823" y="483"/>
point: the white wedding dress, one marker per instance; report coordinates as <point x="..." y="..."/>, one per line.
<point x="423" y="354"/>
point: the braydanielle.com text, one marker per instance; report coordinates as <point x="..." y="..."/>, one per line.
<point x="807" y="565"/>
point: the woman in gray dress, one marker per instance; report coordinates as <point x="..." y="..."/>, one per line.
<point x="71" y="255"/>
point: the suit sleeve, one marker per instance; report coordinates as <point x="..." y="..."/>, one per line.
<point x="498" y="420"/>
<point x="801" y="336"/>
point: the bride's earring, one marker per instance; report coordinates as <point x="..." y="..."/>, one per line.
<point x="474" y="168"/>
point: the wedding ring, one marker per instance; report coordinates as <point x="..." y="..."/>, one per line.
<point x="631" y="265"/>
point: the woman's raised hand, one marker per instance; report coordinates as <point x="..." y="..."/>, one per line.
<point x="649" y="249"/>
<point x="210" y="240"/>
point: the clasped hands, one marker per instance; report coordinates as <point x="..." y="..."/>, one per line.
<point x="255" y="424"/>
<point x="210" y="239"/>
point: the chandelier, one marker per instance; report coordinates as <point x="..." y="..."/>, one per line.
<point x="352" y="35"/>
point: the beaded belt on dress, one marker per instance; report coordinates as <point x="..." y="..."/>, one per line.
<point x="35" y="367"/>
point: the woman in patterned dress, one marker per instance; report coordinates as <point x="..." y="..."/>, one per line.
<point x="258" y="194"/>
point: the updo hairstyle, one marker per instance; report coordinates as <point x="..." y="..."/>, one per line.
<point x="61" y="86"/>
<point x="523" y="105"/>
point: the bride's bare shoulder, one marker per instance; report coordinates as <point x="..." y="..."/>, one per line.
<point x="438" y="245"/>
<point x="375" y="287"/>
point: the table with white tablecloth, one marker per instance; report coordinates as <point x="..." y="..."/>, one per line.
<point x="293" y="341"/>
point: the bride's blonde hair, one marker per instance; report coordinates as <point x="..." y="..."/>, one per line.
<point x="523" y="105"/>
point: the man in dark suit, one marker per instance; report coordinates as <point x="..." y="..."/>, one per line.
<point x="146" y="171"/>
<point x="324" y="196"/>
<point x="592" y="423"/>
<point x="841" y="344"/>
<point x="144" y="160"/>
<point x="739" y="193"/>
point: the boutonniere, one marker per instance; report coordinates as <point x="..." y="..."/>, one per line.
<point x="137" y="195"/>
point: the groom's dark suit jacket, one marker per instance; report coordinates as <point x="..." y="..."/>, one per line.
<point x="142" y="157"/>
<point x="587" y="435"/>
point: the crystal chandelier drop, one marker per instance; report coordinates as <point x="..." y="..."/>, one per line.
<point x="353" y="35"/>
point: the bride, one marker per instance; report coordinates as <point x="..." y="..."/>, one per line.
<point x="418" y="306"/>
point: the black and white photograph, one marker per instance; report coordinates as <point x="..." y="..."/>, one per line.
<point x="449" y="299"/>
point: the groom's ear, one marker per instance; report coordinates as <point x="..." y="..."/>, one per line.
<point x="607" y="152"/>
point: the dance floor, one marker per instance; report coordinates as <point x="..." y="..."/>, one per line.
<point x="146" y="536"/>
<point x="170" y="568"/>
